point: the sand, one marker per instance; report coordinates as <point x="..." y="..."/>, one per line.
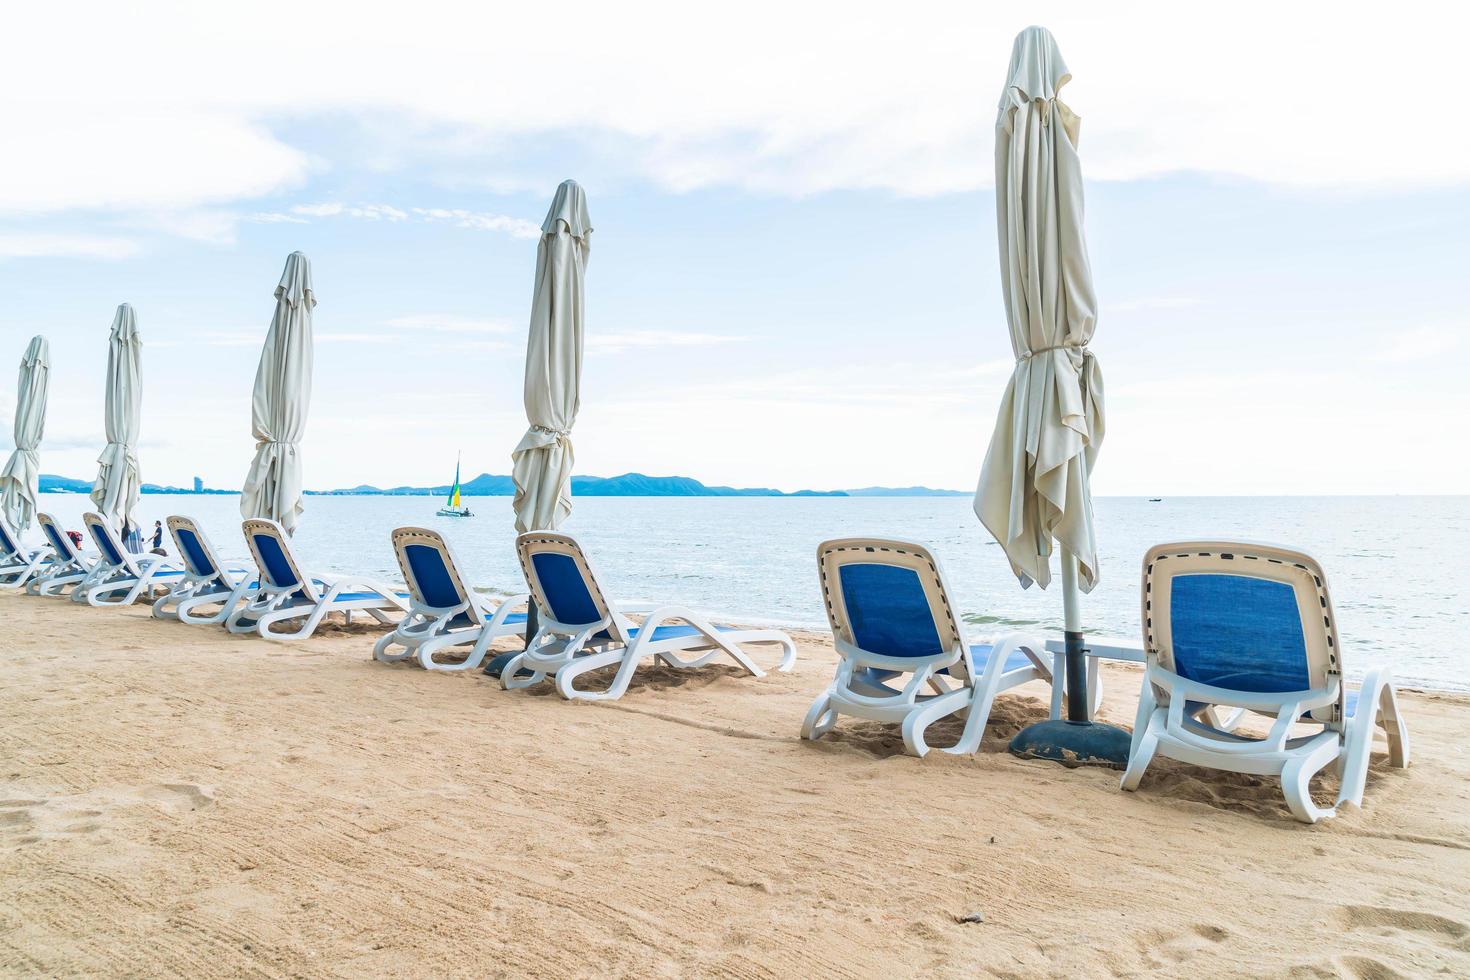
<point x="178" y="801"/>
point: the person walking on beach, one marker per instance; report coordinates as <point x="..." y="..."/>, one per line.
<point x="158" y="537"/>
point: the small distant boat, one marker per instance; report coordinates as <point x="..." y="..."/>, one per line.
<point x="452" y="507"/>
<point x="1156" y="500"/>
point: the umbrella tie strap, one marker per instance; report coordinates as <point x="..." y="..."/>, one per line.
<point x="1079" y="348"/>
<point x="559" y="433"/>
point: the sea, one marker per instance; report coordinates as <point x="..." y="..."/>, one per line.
<point x="1397" y="566"/>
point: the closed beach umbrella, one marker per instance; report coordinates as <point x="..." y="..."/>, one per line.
<point x="543" y="459"/>
<point x="1033" y="487"/>
<point x="116" y="491"/>
<point x="282" y="396"/>
<point x="21" y="476"/>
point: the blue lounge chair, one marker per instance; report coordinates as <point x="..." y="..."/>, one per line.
<point x="68" y="565"/>
<point x="119" y="576"/>
<point x="582" y="630"/>
<point x="286" y="594"/>
<point x="892" y="617"/>
<point x="207" y="583"/>
<point x="443" y="611"/>
<point x="18" y="563"/>
<point x="1251" y="627"/>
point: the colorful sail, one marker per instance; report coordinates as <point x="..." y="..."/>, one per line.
<point x="454" y="490"/>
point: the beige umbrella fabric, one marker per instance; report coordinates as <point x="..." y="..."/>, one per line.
<point x="280" y="402"/>
<point x="118" y="482"/>
<point x="1034" y="484"/>
<point x="19" y="481"/>
<point x="543" y="460"/>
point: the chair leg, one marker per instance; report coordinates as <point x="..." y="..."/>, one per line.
<point x="917" y="721"/>
<point x="1296" y="783"/>
<point x="1145" y="745"/>
<point x="820" y="719"/>
<point x="1392" y="721"/>
<point x="976" y="717"/>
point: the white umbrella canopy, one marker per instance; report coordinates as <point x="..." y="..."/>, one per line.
<point x="543" y="459"/>
<point x="1034" y="484"/>
<point x="116" y="491"/>
<point x="20" y="479"/>
<point x="280" y="402"/>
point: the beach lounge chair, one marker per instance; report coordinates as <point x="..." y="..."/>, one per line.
<point x="891" y="616"/>
<point x="17" y="562"/>
<point x="67" y="567"/>
<point x="208" y="583"/>
<point x="119" y="576"/>
<point x="442" y="611"/>
<point x="1250" y="626"/>
<point x="582" y="630"/>
<point x="286" y="594"/>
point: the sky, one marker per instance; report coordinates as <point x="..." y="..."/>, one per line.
<point x="793" y="278"/>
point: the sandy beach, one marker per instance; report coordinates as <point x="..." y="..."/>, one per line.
<point x="178" y="801"/>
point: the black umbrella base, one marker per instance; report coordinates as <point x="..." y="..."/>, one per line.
<point x="1074" y="744"/>
<point x="497" y="664"/>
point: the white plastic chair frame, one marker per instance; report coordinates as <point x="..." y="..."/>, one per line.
<point x="428" y="629"/>
<point x="960" y="691"/>
<point x="223" y="587"/>
<point x="566" y="651"/>
<point x="68" y="566"/>
<point x="307" y="598"/>
<point x="1164" y="727"/>
<point x="119" y="583"/>
<point x="18" y="563"/>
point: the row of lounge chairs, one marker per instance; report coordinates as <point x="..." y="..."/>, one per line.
<point x="1231" y="631"/>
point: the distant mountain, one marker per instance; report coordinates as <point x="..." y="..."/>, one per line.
<point x="627" y="485"/>
<point x="907" y="492"/>
<point x="488" y="485"/>
<point x="51" y="483"/>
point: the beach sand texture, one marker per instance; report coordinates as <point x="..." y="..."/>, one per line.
<point x="178" y="801"/>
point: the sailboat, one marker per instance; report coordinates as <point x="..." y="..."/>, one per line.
<point x="452" y="507"/>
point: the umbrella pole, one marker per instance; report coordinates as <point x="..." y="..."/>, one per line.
<point x="1075" y="656"/>
<point x="1075" y="740"/>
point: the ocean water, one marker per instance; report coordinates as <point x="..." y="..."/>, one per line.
<point x="1397" y="566"/>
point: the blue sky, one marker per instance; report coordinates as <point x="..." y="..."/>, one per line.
<point x="793" y="274"/>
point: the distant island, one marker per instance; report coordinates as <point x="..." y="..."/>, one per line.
<point x="488" y="485"/>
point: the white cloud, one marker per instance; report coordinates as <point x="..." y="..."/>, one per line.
<point x="516" y="227"/>
<point x="645" y="339"/>
<point x="1145" y="303"/>
<point x="449" y="323"/>
<point x="1421" y="344"/>
<point x="233" y="338"/>
<point x="459" y="217"/>
<point x="787" y="98"/>
<point x="17" y="245"/>
<point x="353" y="338"/>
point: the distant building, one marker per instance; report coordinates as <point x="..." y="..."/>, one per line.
<point x="198" y="485"/>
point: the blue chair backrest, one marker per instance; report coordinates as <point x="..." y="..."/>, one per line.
<point x="277" y="569"/>
<point x="194" y="554"/>
<point x="565" y="589"/>
<point x="104" y="544"/>
<point x="8" y="545"/>
<point x="888" y="611"/>
<point x="59" y="542"/>
<point x="1238" y="632"/>
<point x="431" y="577"/>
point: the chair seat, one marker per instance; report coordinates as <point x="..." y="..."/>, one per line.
<point x="463" y="621"/>
<point x="361" y="596"/>
<point x="1349" y="707"/>
<point x="979" y="653"/>
<point x="674" y="632"/>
